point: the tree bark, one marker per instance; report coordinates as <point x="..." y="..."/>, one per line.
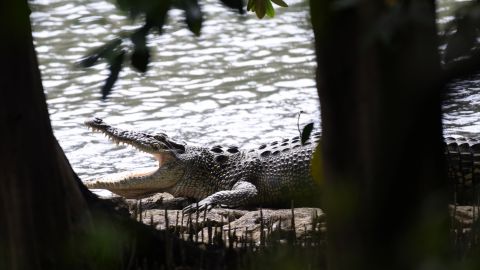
<point x="49" y="219"/>
<point x="39" y="197"/>
<point x="378" y="82"/>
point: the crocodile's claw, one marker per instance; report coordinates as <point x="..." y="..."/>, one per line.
<point x="197" y="207"/>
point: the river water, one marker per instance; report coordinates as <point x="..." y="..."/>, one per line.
<point x="243" y="81"/>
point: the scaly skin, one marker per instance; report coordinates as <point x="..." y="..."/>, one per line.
<point x="463" y="160"/>
<point x="272" y="174"/>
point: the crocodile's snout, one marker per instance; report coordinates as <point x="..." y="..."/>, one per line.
<point x="95" y="122"/>
<point x="140" y="182"/>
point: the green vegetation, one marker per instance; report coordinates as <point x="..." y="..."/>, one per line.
<point x="380" y="80"/>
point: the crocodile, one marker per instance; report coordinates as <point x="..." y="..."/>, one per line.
<point x="272" y="174"/>
<point x="463" y="164"/>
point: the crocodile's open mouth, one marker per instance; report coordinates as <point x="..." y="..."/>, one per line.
<point x="144" y="148"/>
<point x="134" y="184"/>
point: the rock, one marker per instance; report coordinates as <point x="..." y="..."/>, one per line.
<point x="277" y="223"/>
<point x="243" y="225"/>
<point x="464" y="216"/>
<point x="246" y="226"/>
<point x="159" y="201"/>
<point x="216" y="217"/>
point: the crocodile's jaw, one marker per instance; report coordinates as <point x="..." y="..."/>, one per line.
<point x="127" y="184"/>
<point x="138" y="184"/>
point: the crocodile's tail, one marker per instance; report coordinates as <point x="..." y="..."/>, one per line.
<point x="463" y="163"/>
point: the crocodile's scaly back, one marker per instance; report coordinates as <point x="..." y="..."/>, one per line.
<point x="463" y="159"/>
<point x="272" y="174"/>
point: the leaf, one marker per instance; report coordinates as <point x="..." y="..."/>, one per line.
<point x="141" y="54"/>
<point x="156" y="15"/>
<point x="115" y="68"/>
<point x="194" y="16"/>
<point x="150" y="8"/>
<point x="269" y="9"/>
<point x="234" y="4"/>
<point x="280" y="3"/>
<point x="88" y="60"/>
<point x="98" y="53"/>
<point x="251" y="5"/>
<point x="140" y="59"/>
<point x="260" y="8"/>
<point x="307" y="130"/>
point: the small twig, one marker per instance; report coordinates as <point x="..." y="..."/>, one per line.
<point x="298" y="123"/>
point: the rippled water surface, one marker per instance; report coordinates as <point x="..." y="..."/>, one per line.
<point x="243" y="81"/>
<point x="462" y="104"/>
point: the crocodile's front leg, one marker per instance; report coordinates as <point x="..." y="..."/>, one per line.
<point x="241" y="193"/>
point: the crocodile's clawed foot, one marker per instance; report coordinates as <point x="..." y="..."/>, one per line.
<point x="203" y="205"/>
<point x="158" y="202"/>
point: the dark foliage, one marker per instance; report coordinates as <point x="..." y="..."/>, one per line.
<point x="115" y="66"/>
<point x="154" y="14"/>
<point x="193" y="15"/>
<point x="234" y="4"/>
<point x="102" y="52"/>
<point x="307" y="131"/>
<point x="141" y="54"/>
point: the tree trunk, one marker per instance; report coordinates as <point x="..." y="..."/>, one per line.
<point x="49" y="219"/>
<point x="39" y="197"/>
<point x="378" y="82"/>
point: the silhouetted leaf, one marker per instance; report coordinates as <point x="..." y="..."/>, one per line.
<point x="193" y="15"/>
<point x="141" y="54"/>
<point x="144" y="7"/>
<point x="98" y="53"/>
<point x="234" y="4"/>
<point x="157" y="15"/>
<point x="88" y="60"/>
<point x="115" y="67"/>
<point x="140" y="59"/>
<point x="307" y="130"/>
<point x="280" y="3"/>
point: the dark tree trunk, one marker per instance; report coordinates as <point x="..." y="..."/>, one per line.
<point x="49" y="220"/>
<point x="39" y="197"/>
<point x="378" y="82"/>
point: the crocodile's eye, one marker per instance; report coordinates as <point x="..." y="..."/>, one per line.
<point x="157" y="146"/>
<point x="160" y="137"/>
<point x="97" y="122"/>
